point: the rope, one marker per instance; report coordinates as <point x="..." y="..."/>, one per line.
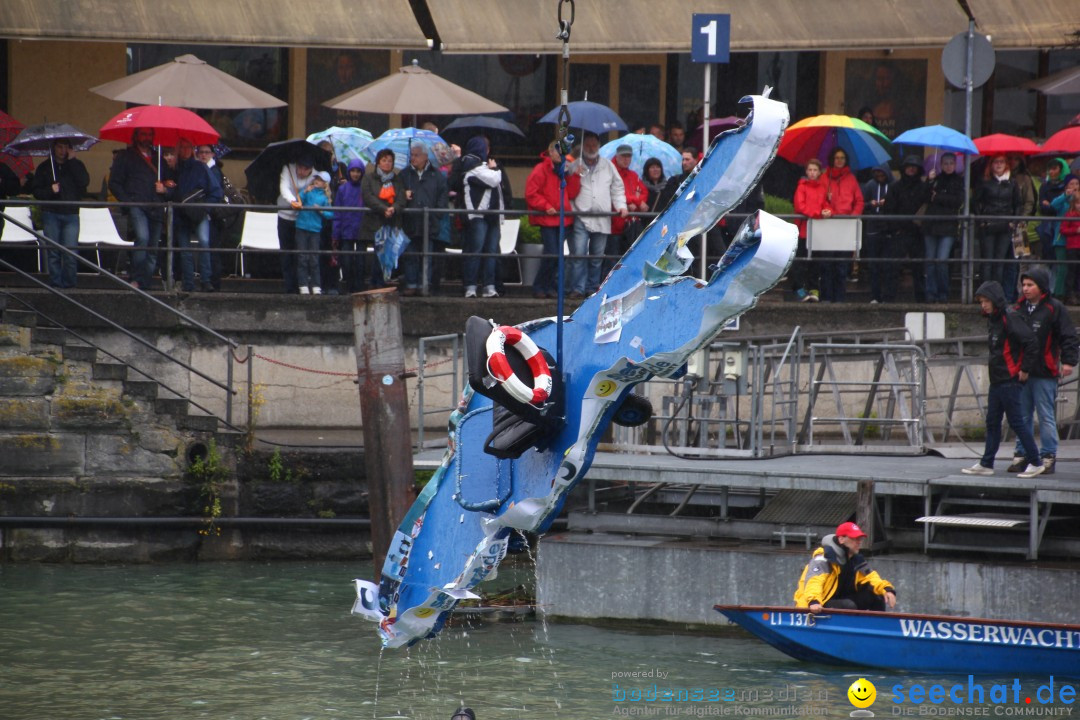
<point x="333" y="373"/>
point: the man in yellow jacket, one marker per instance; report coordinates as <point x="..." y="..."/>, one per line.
<point x="837" y="576"/>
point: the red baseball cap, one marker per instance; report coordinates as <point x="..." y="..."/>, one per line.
<point x="850" y="529"/>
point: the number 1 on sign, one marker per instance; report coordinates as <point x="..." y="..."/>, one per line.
<point x="710" y="32"/>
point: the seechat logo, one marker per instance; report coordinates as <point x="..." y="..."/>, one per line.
<point x="999" y="699"/>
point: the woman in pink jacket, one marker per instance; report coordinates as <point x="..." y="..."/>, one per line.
<point x="844" y="197"/>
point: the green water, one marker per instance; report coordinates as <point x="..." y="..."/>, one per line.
<point x="248" y="641"/>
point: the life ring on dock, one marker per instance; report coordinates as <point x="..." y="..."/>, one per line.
<point x="499" y="367"/>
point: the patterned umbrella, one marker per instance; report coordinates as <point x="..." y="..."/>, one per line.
<point x="401" y="141"/>
<point x="815" y="137"/>
<point x="37" y="140"/>
<point x="645" y="147"/>
<point x="349" y="142"/>
<point x="9" y="128"/>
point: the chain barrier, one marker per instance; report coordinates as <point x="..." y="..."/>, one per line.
<point x="332" y="373"/>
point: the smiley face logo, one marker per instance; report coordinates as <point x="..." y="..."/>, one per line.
<point x="862" y="693"/>
<point x="605" y="388"/>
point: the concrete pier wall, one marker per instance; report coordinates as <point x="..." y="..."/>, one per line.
<point x="644" y="578"/>
<point x="307" y="345"/>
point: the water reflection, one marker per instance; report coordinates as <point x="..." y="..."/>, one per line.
<point x="250" y="641"/>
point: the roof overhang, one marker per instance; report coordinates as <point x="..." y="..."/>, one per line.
<point x="382" y="24"/>
<point x="643" y="26"/>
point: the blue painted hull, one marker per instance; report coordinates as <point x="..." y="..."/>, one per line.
<point x="647" y="318"/>
<point x="916" y="643"/>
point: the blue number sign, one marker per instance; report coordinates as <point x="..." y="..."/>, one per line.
<point x="710" y="41"/>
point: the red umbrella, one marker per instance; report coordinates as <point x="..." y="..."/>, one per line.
<point x="9" y="128"/>
<point x="1002" y="144"/>
<point x="1063" y="142"/>
<point x="168" y="123"/>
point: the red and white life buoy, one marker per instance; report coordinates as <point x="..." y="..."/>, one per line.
<point x="500" y="369"/>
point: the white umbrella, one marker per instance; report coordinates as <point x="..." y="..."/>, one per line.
<point x="187" y="82"/>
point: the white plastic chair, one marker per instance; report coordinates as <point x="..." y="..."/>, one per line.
<point x="260" y="233"/>
<point x="15" y="235"/>
<point x="508" y="235"/>
<point x="97" y="228"/>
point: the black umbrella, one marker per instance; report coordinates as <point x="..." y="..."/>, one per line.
<point x="264" y="172"/>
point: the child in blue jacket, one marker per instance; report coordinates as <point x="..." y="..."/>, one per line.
<point x="309" y="231"/>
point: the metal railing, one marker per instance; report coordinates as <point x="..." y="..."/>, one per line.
<point x="52" y="246"/>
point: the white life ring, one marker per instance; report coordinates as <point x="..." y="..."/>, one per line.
<point x="499" y="367"/>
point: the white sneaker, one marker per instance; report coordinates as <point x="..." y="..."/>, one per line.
<point x="316" y="291"/>
<point x="1032" y="471"/>
<point x="470" y="291"/>
<point x="304" y="290"/>
<point x="978" y="469"/>
<point x="489" y="291"/>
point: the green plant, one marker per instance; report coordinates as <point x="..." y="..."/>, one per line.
<point x="327" y="514"/>
<point x="529" y="234"/>
<point x="211" y="474"/>
<point x="421" y="478"/>
<point x="872" y="432"/>
<point x="277" y="469"/>
<point x="778" y="206"/>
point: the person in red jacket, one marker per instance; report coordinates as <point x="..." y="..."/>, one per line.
<point x="624" y="231"/>
<point x="542" y="195"/>
<point x="811" y="202"/>
<point x="844" y="196"/>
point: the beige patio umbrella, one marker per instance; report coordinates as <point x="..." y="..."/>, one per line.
<point x="412" y="90"/>
<point x="1065" y="82"/>
<point x="187" y="82"/>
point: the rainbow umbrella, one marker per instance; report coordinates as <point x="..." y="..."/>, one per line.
<point x="815" y="137"/>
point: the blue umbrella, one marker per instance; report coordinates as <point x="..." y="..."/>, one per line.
<point x="938" y="136"/>
<point x="590" y="116"/>
<point x="645" y="147"/>
<point x="401" y="140"/>
<point x="484" y="122"/>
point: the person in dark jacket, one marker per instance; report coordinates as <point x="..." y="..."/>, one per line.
<point x="1012" y="359"/>
<point x="384" y="196"/>
<point x="194" y="182"/>
<point x="946" y="198"/>
<point x="876" y="238"/>
<point x="906" y="197"/>
<point x="997" y="195"/>
<point x="483" y="191"/>
<point x="346" y="229"/>
<point x="61" y="177"/>
<point x="1052" y="187"/>
<point x="134" y="178"/>
<point x="425" y="187"/>
<point x="1057" y="355"/>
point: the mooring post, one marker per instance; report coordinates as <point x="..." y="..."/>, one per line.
<point x="864" y="509"/>
<point x="384" y="410"/>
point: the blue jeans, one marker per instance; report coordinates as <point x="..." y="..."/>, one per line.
<point x="64" y="229"/>
<point x="1004" y="399"/>
<point x="938" y="247"/>
<point x="307" y="266"/>
<point x="184" y="232"/>
<point x="834" y="275"/>
<point x="146" y="224"/>
<point x="584" y="274"/>
<point x="547" y="277"/>
<point x="481" y="236"/>
<point x="1040" y="396"/>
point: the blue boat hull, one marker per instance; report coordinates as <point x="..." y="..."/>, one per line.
<point x="917" y="643"/>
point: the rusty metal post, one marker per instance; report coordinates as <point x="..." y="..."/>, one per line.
<point x="384" y="409"/>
